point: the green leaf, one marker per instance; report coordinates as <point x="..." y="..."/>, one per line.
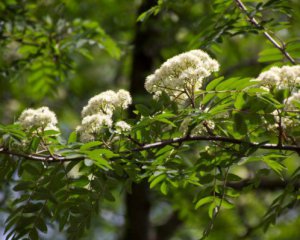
<point x="163" y="120"/>
<point x="212" y="84"/>
<point x="111" y="47"/>
<point x="204" y="201"/>
<point x="240" y="125"/>
<point x="275" y="165"/>
<point x="32" y="207"/>
<point x="33" y="234"/>
<point x="41" y="225"/>
<point x="145" y="15"/>
<point x="23" y="186"/>
<point x="213" y="209"/>
<point x="164" y="188"/>
<point x="72" y="137"/>
<point x="81" y="182"/>
<point x="233" y="177"/>
<point x="270" y="55"/>
<point x="50" y="133"/>
<point x="27" y="50"/>
<point x="157" y="180"/>
<point x="240" y="100"/>
<point x="89" y="145"/>
<point x="108" y="196"/>
<point x="142" y="109"/>
<point x="45" y="194"/>
<point x="101" y="162"/>
<point x="164" y="150"/>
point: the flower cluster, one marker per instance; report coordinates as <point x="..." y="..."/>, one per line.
<point x="284" y="121"/>
<point x="292" y="100"/>
<point x="97" y="115"/>
<point x="181" y="75"/>
<point x="122" y="127"/>
<point x="38" y="119"/>
<point x="281" y="78"/>
<point x="106" y="102"/>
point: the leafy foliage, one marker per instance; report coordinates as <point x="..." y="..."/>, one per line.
<point x="212" y="156"/>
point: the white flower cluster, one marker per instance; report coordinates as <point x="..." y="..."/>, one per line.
<point x="106" y="102"/>
<point x="284" y="77"/>
<point x="122" y="127"/>
<point x="290" y="102"/>
<point x="98" y="113"/>
<point x="39" y="119"/>
<point x="181" y="75"/>
<point x="284" y="121"/>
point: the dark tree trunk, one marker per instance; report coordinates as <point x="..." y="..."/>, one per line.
<point x="147" y="44"/>
<point x="145" y="50"/>
<point x="138" y="209"/>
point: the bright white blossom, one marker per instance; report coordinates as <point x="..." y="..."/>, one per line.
<point x="290" y="102"/>
<point x="284" y="77"/>
<point x="102" y="103"/>
<point x="123" y="99"/>
<point x="106" y="102"/>
<point x="97" y="115"/>
<point x="93" y="124"/>
<point x="39" y="119"/>
<point x="181" y="75"/>
<point x="284" y="121"/>
<point x="122" y="126"/>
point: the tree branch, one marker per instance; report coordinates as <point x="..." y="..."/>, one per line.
<point x="254" y="22"/>
<point x="264" y="184"/>
<point x="40" y="157"/>
<point x="59" y="158"/>
<point x="217" y="139"/>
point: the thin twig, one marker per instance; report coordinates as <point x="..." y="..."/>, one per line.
<point x="254" y="22"/>
<point x="216" y="210"/>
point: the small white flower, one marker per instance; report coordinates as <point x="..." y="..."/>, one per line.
<point x="106" y="102"/>
<point x="285" y="122"/>
<point x="122" y="126"/>
<point x="290" y="102"/>
<point x="94" y="123"/>
<point x="103" y="103"/>
<point x="123" y="99"/>
<point x="41" y="119"/>
<point x="281" y="78"/>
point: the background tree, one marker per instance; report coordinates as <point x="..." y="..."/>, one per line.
<point x="60" y="54"/>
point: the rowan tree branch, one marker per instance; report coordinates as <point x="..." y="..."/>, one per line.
<point x="264" y="184"/>
<point x="254" y="22"/>
<point x="60" y="158"/>
<point x="217" y="139"/>
<point x="40" y="157"/>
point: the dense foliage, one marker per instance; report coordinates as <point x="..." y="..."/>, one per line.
<point x="216" y="145"/>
